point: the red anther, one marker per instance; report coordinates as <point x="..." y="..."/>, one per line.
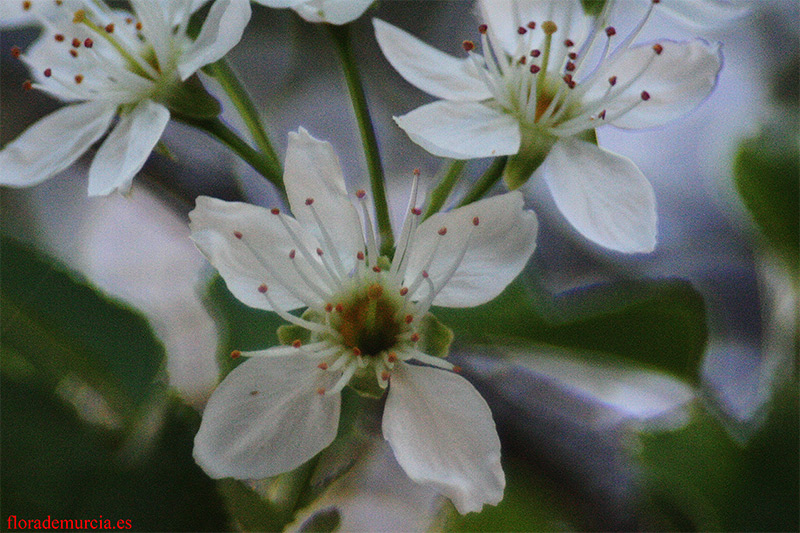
<point x="309" y="201"/>
<point x="376" y="268"/>
<point x="128" y="20"/>
<point x="275" y="211"/>
<point x="48" y="72"/>
<point x="321" y="391"/>
<point x="570" y="66"/>
<point x="572" y="55"/>
<point x="482" y="29"/>
<point x="456" y="369"/>
<point x="391" y="357"/>
<point x="319" y="252"/>
<point x="360" y="256"/>
<point x="568" y="43"/>
<point x="361" y="193"/>
<point x="76" y="43"/>
<point x="416" y="172"/>
<point x="522" y="30"/>
<point x="328" y="307"/>
<point x="645" y="96"/>
<point x="476" y="221"/>
<point x="468" y="46"/>
<point x="339" y="308"/>
<point x="27" y="85"/>
<point x="425" y="274"/>
<point x="323" y="366"/>
<point x="78" y="79"/>
<point x="523" y="60"/>
<point x="237" y="234"/>
<point x="385" y="375"/>
<point x="612" y="80"/>
<point x="236" y="354"/>
<point x="531" y="25"/>
<point x="297" y="343"/>
<point x="658" y="48"/>
<point x="26" y="5"/>
<point x="88" y="43"/>
<point x="611" y="31"/>
<point x="409" y="319"/>
<point x="416" y="211"/>
<point x="139" y="26"/>
<point x="403" y="291"/>
<point x="16" y="51"/>
<point x="73" y="53"/>
<point x="58" y="37"/>
<point x="571" y="84"/>
<point x="442" y="231"/>
<point x="109" y="28"/>
<point x="292" y="253"/>
<point x="602" y="115"/>
<point x="262" y="288"/>
<point x="253" y="393"/>
<point x="415" y="337"/>
<point x="656" y="1"/>
<point x="536" y="52"/>
<point x="356" y="351"/>
<point x="535" y="69"/>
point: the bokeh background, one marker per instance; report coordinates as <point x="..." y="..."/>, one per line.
<point x="589" y="442"/>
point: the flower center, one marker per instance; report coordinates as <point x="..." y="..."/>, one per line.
<point x="369" y="320"/>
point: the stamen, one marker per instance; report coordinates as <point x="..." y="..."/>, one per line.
<point x="430" y="360"/>
<point x="409" y="224"/>
<point x="369" y="229"/>
<point x="16" y="52"/>
<point x="325" y="275"/>
<point x="326" y="238"/>
<point x="297" y="321"/>
<point x="349" y="370"/>
<point x="468" y="46"/>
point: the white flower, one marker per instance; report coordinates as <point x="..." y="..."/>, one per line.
<point x="331" y="11"/>
<point x="547" y="77"/>
<point x="366" y="320"/>
<point x="107" y="63"/>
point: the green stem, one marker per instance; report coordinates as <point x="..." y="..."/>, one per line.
<point x="341" y="38"/>
<point x="217" y="129"/>
<point x="224" y="74"/>
<point x="441" y="192"/>
<point x="486" y="182"/>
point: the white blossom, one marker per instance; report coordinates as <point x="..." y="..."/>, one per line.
<point x="547" y="76"/>
<point x="366" y="319"/>
<point x="330" y="11"/>
<point x="106" y="64"/>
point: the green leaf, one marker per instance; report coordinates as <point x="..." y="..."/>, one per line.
<point x="55" y="464"/>
<point x="660" y="324"/>
<point x="190" y="99"/>
<point x="699" y="479"/>
<point x="53" y="321"/>
<point x="593" y="8"/>
<point x="241" y="327"/>
<point x="247" y="509"/>
<point x="766" y="170"/>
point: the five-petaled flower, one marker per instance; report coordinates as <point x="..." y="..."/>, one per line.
<point x="329" y="11"/>
<point x="366" y="319"/>
<point x="108" y="63"/>
<point x="548" y="75"/>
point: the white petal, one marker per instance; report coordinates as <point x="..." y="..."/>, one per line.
<point x="53" y="143"/>
<point x="279" y="3"/>
<point x="429" y="69"/>
<point x="266" y="418"/>
<point x="126" y="148"/>
<point x="677" y="81"/>
<point x="313" y="171"/>
<point x="603" y="195"/>
<point x="496" y="250"/>
<point x="462" y="130"/>
<point x="332" y="11"/>
<point x="442" y="433"/>
<point x="705" y="14"/>
<point x="213" y="223"/>
<point x="221" y="31"/>
<point x="156" y="27"/>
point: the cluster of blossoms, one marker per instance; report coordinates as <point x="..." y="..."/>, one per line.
<point x="543" y="76"/>
<point x="366" y="316"/>
<point x="548" y="75"/>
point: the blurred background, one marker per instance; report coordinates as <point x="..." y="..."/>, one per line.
<point x="653" y="391"/>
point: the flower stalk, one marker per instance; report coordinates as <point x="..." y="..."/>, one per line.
<point x="341" y="38"/>
<point x="441" y="192"/>
<point x="486" y="181"/>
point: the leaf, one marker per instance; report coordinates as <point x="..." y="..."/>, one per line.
<point x="766" y="170"/>
<point x="55" y="464"/>
<point x="698" y="478"/>
<point x="56" y="323"/>
<point x="659" y="324"/>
